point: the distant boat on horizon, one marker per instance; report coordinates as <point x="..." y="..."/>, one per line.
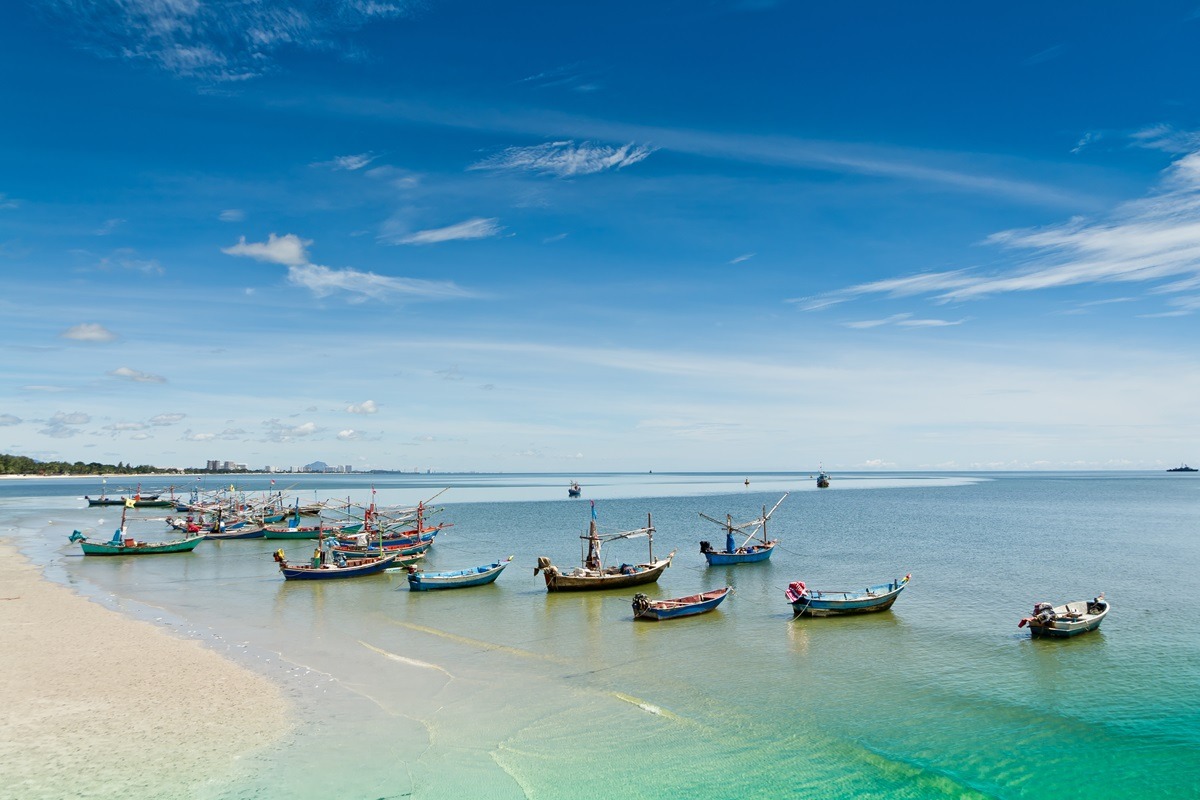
<point x="1183" y="468"/>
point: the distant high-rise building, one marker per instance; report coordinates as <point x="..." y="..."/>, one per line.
<point x="213" y="466"/>
<point x="348" y="468"/>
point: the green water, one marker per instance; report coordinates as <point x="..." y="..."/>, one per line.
<point x="506" y="691"/>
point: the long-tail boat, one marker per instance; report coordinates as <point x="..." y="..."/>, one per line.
<point x="645" y="608"/>
<point x="419" y="581"/>
<point x="755" y="547"/>
<point x="122" y="544"/>
<point x="593" y="574"/>
<point x="834" y="602"/>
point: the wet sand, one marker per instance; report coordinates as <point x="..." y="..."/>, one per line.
<point x="95" y="704"/>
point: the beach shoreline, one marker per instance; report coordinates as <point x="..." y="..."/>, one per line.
<point x="97" y="704"/>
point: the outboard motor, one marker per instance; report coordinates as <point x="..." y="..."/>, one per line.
<point x="705" y="547"/>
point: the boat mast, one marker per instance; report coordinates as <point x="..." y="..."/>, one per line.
<point x="650" y="535"/>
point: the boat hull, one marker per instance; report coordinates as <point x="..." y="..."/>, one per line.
<point x="353" y="569"/>
<point x="642" y="574"/>
<point x="1064" y="628"/>
<point x="657" y="610"/>
<point x="146" y="549"/>
<point x="480" y="576"/>
<point x="815" y="603"/>
<point x="750" y="555"/>
<point x="239" y="533"/>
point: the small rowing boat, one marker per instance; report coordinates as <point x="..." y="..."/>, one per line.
<point x="1069" y="619"/>
<point x="645" y="608"/>
<point x="834" y="602"/>
<point x="419" y="581"/>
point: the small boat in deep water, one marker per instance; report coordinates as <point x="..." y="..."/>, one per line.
<point x="574" y="490"/>
<point x="645" y="608"/>
<point x="593" y="574"/>
<point x="747" y="553"/>
<point x="419" y="581"/>
<point x="829" y="603"/>
<point x="822" y="480"/>
<point x="1183" y="468"/>
<point x="1069" y="619"/>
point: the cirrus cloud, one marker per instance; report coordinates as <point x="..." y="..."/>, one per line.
<point x="88" y="332"/>
<point x="564" y="159"/>
<point x="137" y="376"/>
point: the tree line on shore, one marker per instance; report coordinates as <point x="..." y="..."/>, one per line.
<point x="23" y="465"/>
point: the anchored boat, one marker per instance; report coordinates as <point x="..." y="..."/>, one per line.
<point x="645" y="608"/>
<point x="834" y="602"/>
<point x="1069" y="619"/>
<point x="755" y="547"/>
<point x="593" y="574"/>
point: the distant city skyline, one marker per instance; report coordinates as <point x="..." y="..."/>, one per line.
<point x="538" y="238"/>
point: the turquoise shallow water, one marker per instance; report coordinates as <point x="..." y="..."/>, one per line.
<point x="505" y="691"/>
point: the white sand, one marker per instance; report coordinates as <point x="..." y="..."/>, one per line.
<point x="94" y="704"/>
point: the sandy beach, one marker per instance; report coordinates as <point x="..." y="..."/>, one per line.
<point x="95" y="704"/>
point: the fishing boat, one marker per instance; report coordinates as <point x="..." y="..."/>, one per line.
<point x="645" y="608"/>
<point x="755" y="547"/>
<point x="574" y="490"/>
<point x="122" y="544"/>
<point x="822" y="480"/>
<point x="1069" y="619"/>
<point x="419" y="581"/>
<point x="1182" y="468"/>
<point x="834" y="602"/>
<point x="593" y="574"/>
<point x="320" y="569"/>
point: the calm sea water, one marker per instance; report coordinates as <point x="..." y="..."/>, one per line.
<point x="506" y="691"/>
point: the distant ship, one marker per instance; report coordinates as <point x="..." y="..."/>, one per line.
<point x="1183" y="468"/>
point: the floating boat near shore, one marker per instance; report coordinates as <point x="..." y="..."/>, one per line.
<point x="419" y="581"/>
<point x="834" y="602"/>
<point x="340" y="568"/>
<point x="122" y="544"/>
<point x="1069" y="619"/>
<point x="746" y="553"/>
<point x="593" y="574"/>
<point x="645" y="608"/>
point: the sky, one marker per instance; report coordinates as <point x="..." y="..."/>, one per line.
<point x="550" y="237"/>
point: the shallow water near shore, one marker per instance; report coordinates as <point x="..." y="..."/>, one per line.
<point x="506" y="691"/>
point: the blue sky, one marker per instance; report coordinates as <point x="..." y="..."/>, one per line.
<point x="554" y="237"/>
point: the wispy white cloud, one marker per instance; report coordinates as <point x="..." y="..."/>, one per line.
<point x="1168" y="139"/>
<point x="1151" y="240"/>
<point x="349" y="435"/>
<point x="349" y="163"/>
<point x="137" y="376"/>
<point x="188" y="436"/>
<point x="232" y="215"/>
<point x="475" y="228"/>
<point x="8" y="203"/>
<point x="70" y="418"/>
<point x="166" y="419"/>
<point x="214" y="40"/>
<point x="323" y="281"/>
<point x="277" y="431"/>
<point x="365" y="407"/>
<point x="108" y="226"/>
<point x="289" y="249"/>
<point x="9" y="419"/>
<point x="565" y="159"/>
<point x="89" y="332"/>
<point x="741" y="258"/>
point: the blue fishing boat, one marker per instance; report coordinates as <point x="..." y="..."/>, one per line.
<point x="574" y="490"/>
<point x="645" y="608"/>
<point x="419" y="581"/>
<point x="834" y="602"/>
<point x="322" y="570"/>
<point x="755" y="547"/>
<point x="822" y="480"/>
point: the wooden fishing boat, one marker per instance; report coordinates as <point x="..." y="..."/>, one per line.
<point x="574" y="490"/>
<point x="133" y="547"/>
<point x="834" y="602"/>
<point x="593" y="574"/>
<point x="239" y="530"/>
<point x="333" y="569"/>
<point x="822" y="480"/>
<point x="122" y="544"/>
<point x="419" y="581"/>
<point x="755" y="547"/>
<point x="645" y="608"/>
<point x="1069" y="619"/>
<point x="373" y="549"/>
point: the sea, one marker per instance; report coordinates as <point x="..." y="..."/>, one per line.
<point x="506" y="691"/>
